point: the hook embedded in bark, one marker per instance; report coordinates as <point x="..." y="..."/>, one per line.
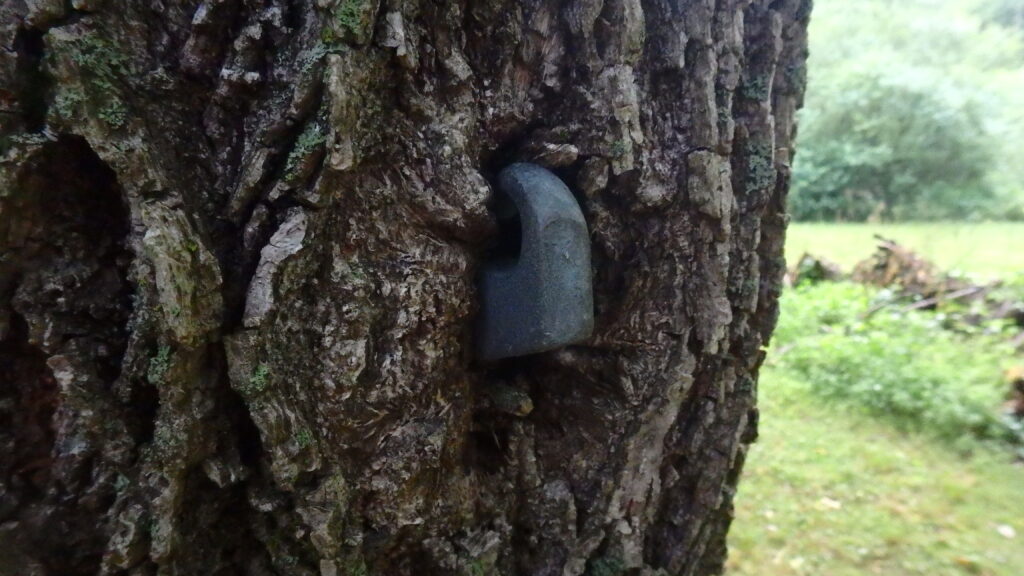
<point x="542" y="297"/>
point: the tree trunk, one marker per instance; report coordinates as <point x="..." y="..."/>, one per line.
<point x="239" y="242"/>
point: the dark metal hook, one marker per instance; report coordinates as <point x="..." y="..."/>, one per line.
<point x="543" y="299"/>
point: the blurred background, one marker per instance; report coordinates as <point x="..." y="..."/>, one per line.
<point x="891" y="438"/>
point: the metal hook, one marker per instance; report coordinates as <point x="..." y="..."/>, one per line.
<point x="543" y="299"/>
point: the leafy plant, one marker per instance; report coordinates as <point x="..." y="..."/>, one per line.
<point x="901" y="366"/>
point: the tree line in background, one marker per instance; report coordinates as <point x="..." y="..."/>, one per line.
<point x="1006" y="12"/>
<point x="915" y="111"/>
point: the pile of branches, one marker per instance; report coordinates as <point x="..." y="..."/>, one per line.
<point x="897" y="267"/>
<point x="917" y="284"/>
<point x="811" y="269"/>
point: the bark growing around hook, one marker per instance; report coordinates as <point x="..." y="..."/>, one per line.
<point x="238" y="243"/>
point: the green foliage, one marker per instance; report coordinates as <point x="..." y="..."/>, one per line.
<point x="1011" y="289"/>
<point x="831" y="486"/>
<point x="159" y="365"/>
<point x="895" y="145"/>
<point x="913" y="112"/>
<point x="901" y="366"/>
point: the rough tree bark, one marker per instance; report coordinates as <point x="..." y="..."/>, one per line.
<point x="239" y="240"/>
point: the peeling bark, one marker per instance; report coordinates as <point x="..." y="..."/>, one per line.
<point x="238" y="243"/>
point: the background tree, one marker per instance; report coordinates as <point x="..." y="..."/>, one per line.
<point x="239" y="242"/>
<point x="1005" y="12"/>
<point x="893" y="146"/>
<point x="913" y="113"/>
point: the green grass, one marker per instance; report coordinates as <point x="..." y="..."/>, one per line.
<point x="826" y="491"/>
<point x="985" y="249"/>
<point x="882" y="450"/>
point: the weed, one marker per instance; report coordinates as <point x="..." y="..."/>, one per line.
<point x="901" y="366"/>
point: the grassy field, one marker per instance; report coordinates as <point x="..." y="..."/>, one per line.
<point x="859" y="469"/>
<point x="986" y="250"/>
<point x="830" y="492"/>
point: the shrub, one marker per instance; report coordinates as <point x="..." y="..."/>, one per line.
<point x="912" y="113"/>
<point x="890" y="145"/>
<point x="901" y="366"/>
